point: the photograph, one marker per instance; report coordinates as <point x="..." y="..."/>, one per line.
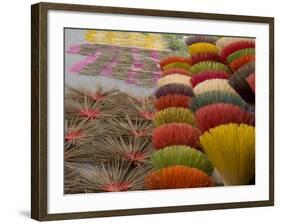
<point x="157" y="111"/>
<point x="140" y="111"/>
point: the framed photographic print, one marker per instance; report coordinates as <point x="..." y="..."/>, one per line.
<point x="139" y="111"/>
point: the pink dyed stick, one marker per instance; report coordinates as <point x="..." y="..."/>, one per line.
<point x="107" y="70"/>
<point x="76" y="68"/>
<point x="74" y="49"/>
<point x="156" y="76"/>
<point x="155" y="56"/>
<point x="131" y="77"/>
<point x="137" y="66"/>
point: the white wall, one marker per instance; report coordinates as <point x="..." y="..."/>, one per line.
<point x="15" y="112"/>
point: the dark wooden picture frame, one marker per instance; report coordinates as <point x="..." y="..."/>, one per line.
<point x="39" y="110"/>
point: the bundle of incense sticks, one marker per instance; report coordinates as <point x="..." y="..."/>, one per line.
<point x="220" y="69"/>
<point x="133" y="65"/>
<point x="107" y="140"/>
<point x="177" y="160"/>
